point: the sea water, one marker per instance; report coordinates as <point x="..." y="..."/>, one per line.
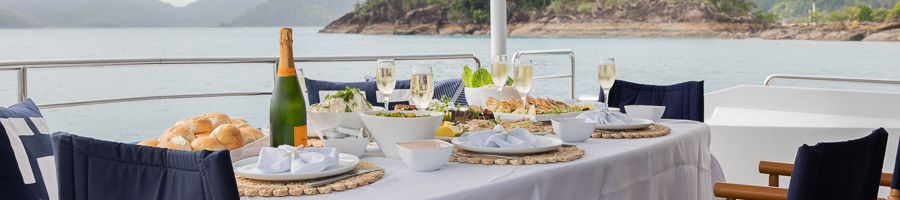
<point x="721" y="63"/>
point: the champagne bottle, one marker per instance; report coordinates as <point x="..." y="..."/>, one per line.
<point x="287" y="114"/>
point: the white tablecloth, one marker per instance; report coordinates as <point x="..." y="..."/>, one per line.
<point x="676" y="166"/>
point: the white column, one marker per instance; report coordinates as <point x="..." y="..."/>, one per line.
<point x="498" y="28"/>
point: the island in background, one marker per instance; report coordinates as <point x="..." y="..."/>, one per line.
<point x="616" y="18"/>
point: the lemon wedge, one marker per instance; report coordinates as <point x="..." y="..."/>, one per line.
<point x="445" y="131"/>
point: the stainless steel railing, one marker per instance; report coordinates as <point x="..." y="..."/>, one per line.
<point x="769" y="79"/>
<point x="570" y="75"/>
<point x="23" y="66"/>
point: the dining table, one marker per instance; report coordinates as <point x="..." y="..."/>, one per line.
<point x="676" y="166"/>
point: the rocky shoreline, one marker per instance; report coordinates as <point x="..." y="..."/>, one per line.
<point x="639" y="18"/>
<point x="827" y="32"/>
<point x="612" y="29"/>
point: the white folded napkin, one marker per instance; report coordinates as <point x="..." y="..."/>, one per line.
<point x="606" y="117"/>
<point x="297" y="160"/>
<point x="499" y="138"/>
<point x="341" y="132"/>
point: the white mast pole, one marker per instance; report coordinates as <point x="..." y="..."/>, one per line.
<point x="498" y="28"/>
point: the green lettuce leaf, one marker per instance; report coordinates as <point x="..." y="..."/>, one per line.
<point x="482" y="78"/>
<point x="467" y="76"/>
<point x="478" y="78"/>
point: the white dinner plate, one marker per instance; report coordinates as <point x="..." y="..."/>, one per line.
<point x="535" y="118"/>
<point x="247" y="168"/>
<point x="638" y="124"/>
<point x="547" y="144"/>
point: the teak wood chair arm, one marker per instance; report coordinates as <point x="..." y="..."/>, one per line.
<point x="775" y="169"/>
<point x="738" y="191"/>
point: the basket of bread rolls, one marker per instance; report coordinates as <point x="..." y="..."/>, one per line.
<point x="212" y="132"/>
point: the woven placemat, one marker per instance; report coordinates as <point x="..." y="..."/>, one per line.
<point x="563" y="154"/>
<point x="655" y="130"/>
<point x="250" y="187"/>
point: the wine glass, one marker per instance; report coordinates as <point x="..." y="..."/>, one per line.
<point x="421" y="86"/>
<point x="606" y="74"/>
<point x="385" y="79"/>
<point x="523" y="75"/>
<point x="499" y="71"/>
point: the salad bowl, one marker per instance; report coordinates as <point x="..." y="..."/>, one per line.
<point x="389" y="130"/>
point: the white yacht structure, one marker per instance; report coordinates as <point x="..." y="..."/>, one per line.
<point x="683" y="159"/>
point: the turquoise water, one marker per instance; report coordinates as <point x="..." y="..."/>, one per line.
<point x="721" y="63"/>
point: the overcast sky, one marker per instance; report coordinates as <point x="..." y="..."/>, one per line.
<point x="179" y="3"/>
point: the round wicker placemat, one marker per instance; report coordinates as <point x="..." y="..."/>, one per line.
<point x="250" y="187"/>
<point x="655" y="130"/>
<point x="563" y="154"/>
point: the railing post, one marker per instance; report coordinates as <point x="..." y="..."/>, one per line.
<point x="572" y="72"/>
<point x="23" y="83"/>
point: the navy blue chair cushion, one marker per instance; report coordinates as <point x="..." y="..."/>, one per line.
<point x="682" y="101"/>
<point x="839" y="170"/>
<point x="895" y="180"/>
<point x="96" y="169"/>
<point x="448" y="88"/>
<point x="27" y="168"/>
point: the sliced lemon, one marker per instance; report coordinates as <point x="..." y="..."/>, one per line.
<point x="445" y="131"/>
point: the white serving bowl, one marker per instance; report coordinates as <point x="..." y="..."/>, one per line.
<point x="326" y="120"/>
<point x="478" y="96"/>
<point x="388" y="131"/>
<point x="572" y="129"/>
<point x="351" y="145"/>
<point x="654" y="113"/>
<point x="431" y="154"/>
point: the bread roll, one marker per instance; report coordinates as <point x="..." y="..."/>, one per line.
<point x="186" y="122"/>
<point x="176" y="142"/>
<point x="202" y="125"/>
<point x="229" y="135"/>
<point x="201" y="135"/>
<point x="184" y="131"/>
<point x="207" y="143"/>
<point x="218" y="119"/>
<point x="150" y="143"/>
<point x="250" y="134"/>
<point x="240" y="123"/>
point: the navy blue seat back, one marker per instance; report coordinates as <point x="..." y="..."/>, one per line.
<point x="94" y="169"/>
<point x="895" y="179"/>
<point x="682" y="101"/>
<point x="839" y="170"/>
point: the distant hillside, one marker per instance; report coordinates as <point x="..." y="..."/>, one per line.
<point x="216" y="12"/>
<point x="800" y="8"/>
<point x="153" y="13"/>
<point x="294" y="13"/>
<point x="9" y="18"/>
<point x="642" y="18"/>
<point x="118" y="13"/>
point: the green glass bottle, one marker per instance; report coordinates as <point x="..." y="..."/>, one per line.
<point x="287" y="114"/>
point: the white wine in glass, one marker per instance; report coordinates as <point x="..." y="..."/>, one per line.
<point x="421" y="87"/>
<point x="606" y="74"/>
<point x="523" y="77"/>
<point x="385" y="79"/>
<point x="499" y="71"/>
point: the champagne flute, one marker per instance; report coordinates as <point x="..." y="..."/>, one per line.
<point x="606" y="74"/>
<point x="499" y="71"/>
<point x="523" y="75"/>
<point x="385" y="79"/>
<point x="421" y="86"/>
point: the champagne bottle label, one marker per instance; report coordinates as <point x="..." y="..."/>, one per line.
<point x="286" y="72"/>
<point x="300" y="136"/>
